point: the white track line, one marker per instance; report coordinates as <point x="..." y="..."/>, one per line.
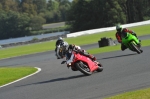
<point x="39" y="69"/>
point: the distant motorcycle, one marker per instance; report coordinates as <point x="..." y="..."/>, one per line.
<point x="84" y="64"/>
<point x="131" y="42"/>
<point x="60" y="52"/>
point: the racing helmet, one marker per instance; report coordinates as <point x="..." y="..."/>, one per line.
<point x="71" y="46"/>
<point x="60" y="38"/>
<point x="64" y="45"/>
<point x="74" y="47"/>
<point x="119" y="28"/>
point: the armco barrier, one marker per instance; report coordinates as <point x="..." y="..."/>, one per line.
<point x="105" y="29"/>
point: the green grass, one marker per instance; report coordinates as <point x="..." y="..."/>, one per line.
<point x="141" y="30"/>
<point x="81" y="40"/>
<point x="139" y="94"/>
<point x="93" y="38"/>
<point x="114" y="48"/>
<point x="10" y="74"/>
<point x="27" y="49"/>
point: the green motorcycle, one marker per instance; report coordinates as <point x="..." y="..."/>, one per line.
<point x="131" y="42"/>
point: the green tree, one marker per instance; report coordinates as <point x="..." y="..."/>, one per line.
<point x="64" y="6"/>
<point x="41" y="5"/>
<point x="52" y="5"/>
<point x="113" y="13"/>
<point x="89" y="14"/>
<point x="146" y="12"/>
<point x="27" y="6"/>
<point x="13" y="24"/>
<point x="9" y="5"/>
<point x="53" y="14"/>
<point x="37" y="22"/>
<point x="138" y="11"/>
<point x="79" y="15"/>
<point x="23" y="25"/>
<point x="1" y="7"/>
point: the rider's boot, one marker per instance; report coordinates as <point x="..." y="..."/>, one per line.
<point x="123" y="47"/>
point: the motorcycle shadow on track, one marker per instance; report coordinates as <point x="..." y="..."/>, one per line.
<point x="61" y="79"/>
<point x="56" y="80"/>
<point x="118" y="56"/>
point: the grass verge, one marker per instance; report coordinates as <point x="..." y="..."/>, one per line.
<point x="139" y="94"/>
<point x="9" y="74"/>
<point x="81" y="40"/>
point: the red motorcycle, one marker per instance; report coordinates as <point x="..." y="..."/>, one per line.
<point x="83" y="64"/>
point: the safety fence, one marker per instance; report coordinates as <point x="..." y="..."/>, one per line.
<point x="106" y="29"/>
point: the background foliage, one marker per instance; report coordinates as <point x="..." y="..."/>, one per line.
<point x="89" y="14"/>
<point x="20" y="17"/>
<point x="23" y="17"/>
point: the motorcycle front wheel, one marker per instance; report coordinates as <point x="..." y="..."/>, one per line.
<point x="100" y="68"/>
<point x="134" y="47"/>
<point x="83" y="68"/>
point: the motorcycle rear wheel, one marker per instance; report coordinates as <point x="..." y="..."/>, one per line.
<point x="83" y="68"/>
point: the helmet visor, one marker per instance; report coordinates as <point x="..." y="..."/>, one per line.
<point x="119" y="30"/>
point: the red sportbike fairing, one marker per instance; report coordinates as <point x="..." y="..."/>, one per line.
<point x="84" y="64"/>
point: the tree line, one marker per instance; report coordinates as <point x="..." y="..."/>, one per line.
<point x="19" y="17"/>
<point x="90" y="14"/>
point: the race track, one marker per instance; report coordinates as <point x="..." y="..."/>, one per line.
<point x="123" y="71"/>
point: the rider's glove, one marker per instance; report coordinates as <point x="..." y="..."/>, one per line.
<point x="92" y="57"/>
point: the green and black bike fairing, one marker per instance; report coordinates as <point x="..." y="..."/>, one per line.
<point x="128" y="38"/>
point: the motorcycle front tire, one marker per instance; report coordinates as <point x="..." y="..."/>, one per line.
<point x="134" y="47"/>
<point x="100" y="68"/>
<point x="80" y="66"/>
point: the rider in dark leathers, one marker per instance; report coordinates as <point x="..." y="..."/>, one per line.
<point x="58" y="42"/>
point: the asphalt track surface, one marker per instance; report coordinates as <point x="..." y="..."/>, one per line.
<point x="123" y="71"/>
